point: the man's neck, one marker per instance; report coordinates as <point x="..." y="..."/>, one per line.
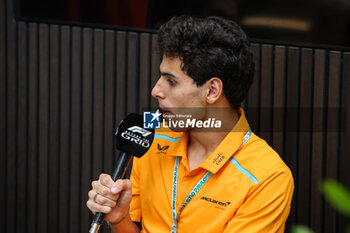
<point x="202" y="144"/>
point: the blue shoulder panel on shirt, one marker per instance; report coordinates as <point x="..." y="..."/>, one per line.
<point x="245" y="172"/>
<point x="160" y="136"/>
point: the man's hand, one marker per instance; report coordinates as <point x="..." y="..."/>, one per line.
<point x="109" y="197"/>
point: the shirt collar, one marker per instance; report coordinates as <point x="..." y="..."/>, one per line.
<point x="228" y="146"/>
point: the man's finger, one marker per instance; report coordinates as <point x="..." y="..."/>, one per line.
<point x="95" y="207"/>
<point x="99" y="199"/>
<point x="103" y="191"/>
<point x="121" y="185"/>
<point x="106" y="180"/>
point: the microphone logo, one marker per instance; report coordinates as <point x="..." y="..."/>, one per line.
<point x="137" y="135"/>
<point x="136" y="129"/>
<point x="132" y="138"/>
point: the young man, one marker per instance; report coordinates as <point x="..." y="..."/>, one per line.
<point x="197" y="180"/>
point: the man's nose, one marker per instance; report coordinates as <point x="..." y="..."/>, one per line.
<point x="157" y="91"/>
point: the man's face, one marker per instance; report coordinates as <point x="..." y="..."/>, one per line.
<point x="176" y="91"/>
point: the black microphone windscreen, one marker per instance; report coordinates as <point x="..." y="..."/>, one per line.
<point x="132" y="137"/>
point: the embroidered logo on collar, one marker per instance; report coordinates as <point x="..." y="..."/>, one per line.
<point x="218" y="204"/>
<point x="161" y="150"/>
<point x="218" y="158"/>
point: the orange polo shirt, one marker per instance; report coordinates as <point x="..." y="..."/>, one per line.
<point x="250" y="189"/>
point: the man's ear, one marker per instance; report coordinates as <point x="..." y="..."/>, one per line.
<point x="214" y="89"/>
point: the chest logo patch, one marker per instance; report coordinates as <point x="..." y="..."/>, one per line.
<point x="161" y="150"/>
<point x="218" y="204"/>
<point x="219" y="158"/>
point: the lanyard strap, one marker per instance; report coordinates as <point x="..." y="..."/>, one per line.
<point x="196" y="188"/>
<point x="193" y="192"/>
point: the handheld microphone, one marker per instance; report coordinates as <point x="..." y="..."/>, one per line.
<point x="131" y="139"/>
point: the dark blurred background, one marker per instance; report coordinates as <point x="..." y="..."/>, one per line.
<point x="317" y="22"/>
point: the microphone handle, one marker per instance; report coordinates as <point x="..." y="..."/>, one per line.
<point x="120" y="167"/>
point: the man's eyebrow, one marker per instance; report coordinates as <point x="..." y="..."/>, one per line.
<point x="167" y="74"/>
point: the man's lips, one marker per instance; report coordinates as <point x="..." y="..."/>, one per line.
<point x="165" y="112"/>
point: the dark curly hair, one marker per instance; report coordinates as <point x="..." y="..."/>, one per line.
<point x="210" y="47"/>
